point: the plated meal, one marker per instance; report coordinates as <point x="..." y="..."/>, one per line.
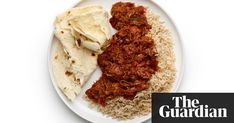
<point x="136" y="59"/>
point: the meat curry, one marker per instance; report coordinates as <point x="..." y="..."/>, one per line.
<point x="131" y="59"/>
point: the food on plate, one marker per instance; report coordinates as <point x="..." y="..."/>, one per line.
<point x="82" y="32"/>
<point x="130" y="61"/>
<point x="127" y="65"/>
<point x="135" y="62"/>
<point x="88" y="24"/>
<point x="63" y="73"/>
<point x="76" y="65"/>
<point x="94" y="26"/>
<point x="124" y="89"/>
<point x="128" y="14"/>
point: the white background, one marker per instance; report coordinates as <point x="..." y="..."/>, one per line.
<point x="26" y="92"/>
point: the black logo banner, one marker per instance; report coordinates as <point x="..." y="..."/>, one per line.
<point x="193" y="108"/>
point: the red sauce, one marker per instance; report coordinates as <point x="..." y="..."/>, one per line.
<point x="130" y="60"/>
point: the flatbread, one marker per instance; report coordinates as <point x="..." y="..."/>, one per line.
<point x="61" y="65"/>
<point x="94" y="26"/>
<point x="90" y="22"/>
<point x="73" y="12"/>
<point x="83" y="63"/>
<point x="69" y="78"/>
<point x="82" y="31"/>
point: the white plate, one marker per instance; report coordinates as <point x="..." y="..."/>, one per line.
<point x="80" y="106"/>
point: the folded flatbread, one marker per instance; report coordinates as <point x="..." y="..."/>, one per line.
<point x="82" y="32"/>
<point x="89" y="22"/>
<point x="62" y="73"/>
<point x="93" y="26"/>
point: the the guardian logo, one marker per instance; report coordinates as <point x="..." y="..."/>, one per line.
<point x="187" y="108"/>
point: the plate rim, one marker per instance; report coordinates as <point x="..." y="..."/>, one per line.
<point x="174" y="88"/>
